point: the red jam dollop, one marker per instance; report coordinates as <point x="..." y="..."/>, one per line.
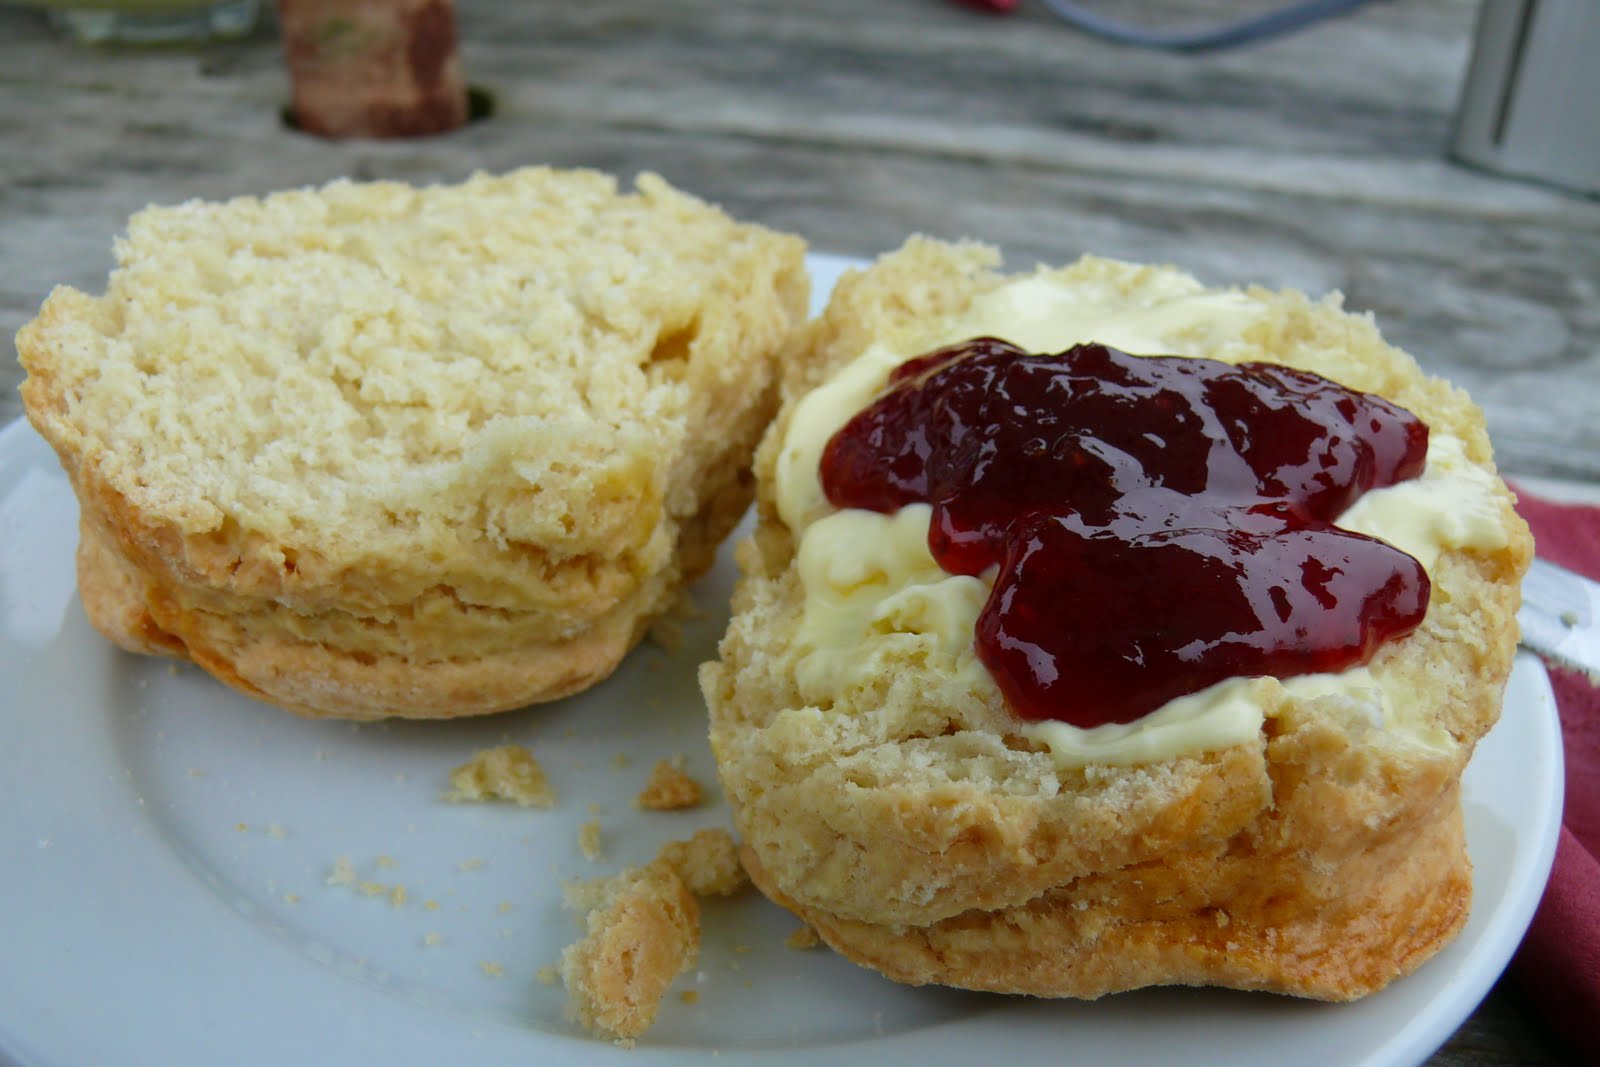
<point x="1159" y="523"/>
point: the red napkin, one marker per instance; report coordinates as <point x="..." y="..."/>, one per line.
<point x="1559" y="961"/>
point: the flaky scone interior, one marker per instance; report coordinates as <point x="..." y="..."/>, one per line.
<point x="888" y="796"/>
<point x="373" y="450"/>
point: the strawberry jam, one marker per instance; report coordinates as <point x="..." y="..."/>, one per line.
<point x="1158" y="523"/>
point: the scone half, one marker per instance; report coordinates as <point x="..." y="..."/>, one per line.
<point x="372" y="450"/>
<point x="1310" y="844"/>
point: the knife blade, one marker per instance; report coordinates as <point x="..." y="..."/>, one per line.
<point x="1560" y="617"/>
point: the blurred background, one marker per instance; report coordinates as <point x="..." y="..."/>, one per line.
<point x="1317" y="160"/>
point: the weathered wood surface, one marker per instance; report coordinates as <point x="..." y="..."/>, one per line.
<point x="1316" y="162"/>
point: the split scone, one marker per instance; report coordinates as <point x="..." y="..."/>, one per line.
<point x="1006" y="753"/>
<point x="373" y="450"/>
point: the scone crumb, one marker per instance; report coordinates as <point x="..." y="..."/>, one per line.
<point x="643" y="933"/>
<point x="276" y="831"/>
<point x="291" y="898"/>
<point x="669" y="789"/>
<point x="589" y="842"/>
<point x="803" y="938"/>
<point x="547" y="975"/>
<point x="505" y="772"/>
<point x="708" y="863"/>
<point x="343" y="872"/>
<point x="690" y="996"/>
<point x="397" y="896"/>
<point x="471" y="864"/>
<point x="491" y="968"/>
<point x="432" y="938"/>
<point x="621" y="761"/>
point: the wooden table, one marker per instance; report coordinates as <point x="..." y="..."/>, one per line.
<point x="1316" y="162"/>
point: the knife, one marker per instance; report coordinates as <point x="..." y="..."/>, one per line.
<point x="1560" y="617"/>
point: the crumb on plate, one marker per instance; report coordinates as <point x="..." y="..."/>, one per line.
<point x="708" y="863"/>
<point x="505" y="772"/>
<point x="803" y="938"/>
<point x="669" y="789"/>
<point x="589" y="841"/>
<point x="643" y="932"/>
<point x="343" y="872"/>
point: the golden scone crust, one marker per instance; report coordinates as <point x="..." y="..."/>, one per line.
<point x="372" y="450"/>
<point x="1214" y="916"/>
<point x="921" y="836"/>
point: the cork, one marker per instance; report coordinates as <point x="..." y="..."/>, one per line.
<point x="373" y="68"/>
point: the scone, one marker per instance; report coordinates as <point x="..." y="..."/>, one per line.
<point x="371" y="450"/>
<point x="945" y="823"/>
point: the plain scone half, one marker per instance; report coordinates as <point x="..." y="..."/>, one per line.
<point x="373" y="450"/>
<point x="887" y="795"/>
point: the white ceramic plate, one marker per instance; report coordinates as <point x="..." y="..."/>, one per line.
<point x="165" y="845"/>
